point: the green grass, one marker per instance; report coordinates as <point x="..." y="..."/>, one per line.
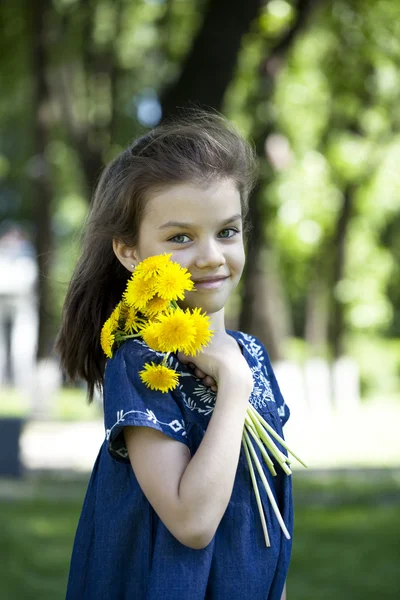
<point x="346" y="541"/>
<point x="69" y="404"/>
<point x="347" y="529"/>
<point x="37" y="537"/>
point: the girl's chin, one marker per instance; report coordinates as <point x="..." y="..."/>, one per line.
<point x="208" y="307"/>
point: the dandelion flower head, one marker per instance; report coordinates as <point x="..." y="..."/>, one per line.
<point x="132" y="323"/>
<point x="151" y="266"/>
<point x="203" y="333"/>
<point x="116" y="315"/>
<point x="176" y="331"/>
<point x="173" y="281"/>
<point x="107" y="337"/>
<point x="159" y="377"/>
<point x="150" y="334"/>
<point x="155" y="306"/>
<point x="139" y="291"/>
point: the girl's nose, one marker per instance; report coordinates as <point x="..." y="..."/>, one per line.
<point x="210" y="256"/>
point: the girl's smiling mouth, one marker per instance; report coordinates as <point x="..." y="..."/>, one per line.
<point x="210" y="282"/>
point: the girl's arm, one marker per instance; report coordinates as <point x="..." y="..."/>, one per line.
<point x="283" y="597"/>
<point x="190" y="495"/>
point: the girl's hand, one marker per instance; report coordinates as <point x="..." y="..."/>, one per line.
<point x="222" y="357"/>
<point x="207" y="379"/>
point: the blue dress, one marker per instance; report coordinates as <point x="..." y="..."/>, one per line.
<point x="122" y="550"/>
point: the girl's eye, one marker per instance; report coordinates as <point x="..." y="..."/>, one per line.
<point x="231" y="231"/>
<point x="224" y="234"/>
<point x="177" y="239"/>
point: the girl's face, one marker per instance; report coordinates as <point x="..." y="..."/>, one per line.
<point x="202" y="228"/>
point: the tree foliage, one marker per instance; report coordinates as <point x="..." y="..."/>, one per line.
<point x="314" y="83"/>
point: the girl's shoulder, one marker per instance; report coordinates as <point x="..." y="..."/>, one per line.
<point x="253" y="346"/>
<point x="134" y="350"/>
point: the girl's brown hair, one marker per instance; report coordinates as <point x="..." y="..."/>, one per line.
<point x="198" y="148"/>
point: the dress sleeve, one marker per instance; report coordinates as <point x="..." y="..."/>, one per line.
<point x="283" y="409"/>
<point x="128" y="401"/>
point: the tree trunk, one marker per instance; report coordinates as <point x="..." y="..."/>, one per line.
<point x="317" y="314"/>
<point x="337" y="322"/>
<point x="40" y="172"/>
<point x="211" y="62"/>
<point x="90" y="139"/>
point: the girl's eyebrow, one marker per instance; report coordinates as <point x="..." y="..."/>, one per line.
<point x="188" y="225"/>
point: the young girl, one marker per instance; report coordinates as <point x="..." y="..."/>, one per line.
<point x="170" y="512"/>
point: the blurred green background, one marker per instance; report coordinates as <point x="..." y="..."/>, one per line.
<point x="316" y="85"/>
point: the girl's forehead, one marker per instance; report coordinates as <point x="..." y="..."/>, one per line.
<point x="219" y="199"/>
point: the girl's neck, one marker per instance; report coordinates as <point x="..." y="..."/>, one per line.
<point x="218" y="320"/>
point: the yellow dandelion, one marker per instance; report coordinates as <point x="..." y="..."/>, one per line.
<point x="139" y="291"/>
<point x="150" y="334"/>
<point x="203" y="333"/>
<point x="107" y="338"/>
<point x="159" y="377"/>
<point x="116" y="315"/>
<point x="173" y="281"/>
<point x="152" y="265"/>
<point x="175" y="331"/>
<point x="155" y="306"/>
<point x="130" y="315"/>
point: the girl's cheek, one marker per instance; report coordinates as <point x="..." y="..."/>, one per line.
<point x="183" y="257"/>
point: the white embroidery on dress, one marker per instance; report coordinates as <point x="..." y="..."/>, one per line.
<point x="257" y="396"/>
<point x="203" y="396"/>
<point x="262" y="392"/>
<point x="253" y="348"/>
<point x="144" y="345"/>
<point x="175" y="425"/>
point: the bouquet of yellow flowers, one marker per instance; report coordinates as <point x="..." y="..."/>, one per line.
<point x="149" y="310"/>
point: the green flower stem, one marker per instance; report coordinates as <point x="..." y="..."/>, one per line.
<point x="265" y="436"/>
<point x="267" y="458"/>
<point x="165" y="357"/>
<point x="266" y="485"/>
<point x="280" y="457"/>
<point x="275" y="435"/>
<point x="126" y="336"/>
<point x="174" y="304"/>
<point x="257" y="493"/>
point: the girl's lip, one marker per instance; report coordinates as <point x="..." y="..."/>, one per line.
<point x="210" y="283"/>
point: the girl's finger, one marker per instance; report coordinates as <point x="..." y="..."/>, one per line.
<point x="182" y="358"/>
<point x="214" y="388"/>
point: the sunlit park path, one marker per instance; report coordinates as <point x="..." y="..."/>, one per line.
<point x="368" y="439"/>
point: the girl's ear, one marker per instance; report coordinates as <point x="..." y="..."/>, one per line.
<point x="126" y="255"/>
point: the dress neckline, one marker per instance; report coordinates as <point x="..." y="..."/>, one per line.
<point x="239" y="342"/>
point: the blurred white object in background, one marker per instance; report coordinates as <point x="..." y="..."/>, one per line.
<point x="18" y="308"/>
<point x="318" y="388"/>
<point x="346" y="385"/>
<point x="46" y="383"/>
